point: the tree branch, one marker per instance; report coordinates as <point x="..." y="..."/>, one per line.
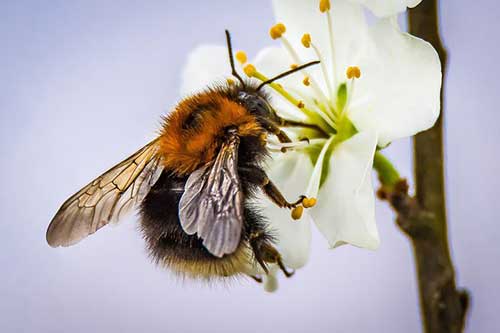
<point x="423" y="217"/>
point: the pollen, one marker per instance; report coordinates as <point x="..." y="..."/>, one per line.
<point x="324" y="6"/>
<point x="297" y="212"/>
<point x="353" y="72"/>
<point x="300" y="105"/>
<point x="277" y="30"/>
<point x="306" y="40"/>
<point x="230" y="81"/>
<point x="249" y="70"/>
<point x="309" y="202"/>
<point x="241" y="57"/>
<point x="306" y="81"/>
<point x="293" y="66"/>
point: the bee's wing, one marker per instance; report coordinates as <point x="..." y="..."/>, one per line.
<point x="107" y="198"/>
<point x="212" y="203"/>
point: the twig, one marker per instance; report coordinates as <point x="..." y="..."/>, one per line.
<point x="423" y="217"/>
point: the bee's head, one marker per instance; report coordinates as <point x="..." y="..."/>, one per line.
<point x="257" y="105"/>
<point x="249" y="96"/>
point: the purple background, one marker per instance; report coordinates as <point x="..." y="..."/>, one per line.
<point x="84" y="83"/>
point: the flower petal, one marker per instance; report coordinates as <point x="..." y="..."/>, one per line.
<point x="206" y="65"/>
<point x="384" y="8"/>
<point x="289" y="172"/>
<point x="315" y="180"/>
<point x="400" y="83"/>
<point x="345" y="212"/>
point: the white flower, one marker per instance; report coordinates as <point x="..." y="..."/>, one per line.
<point x="375" y="84"/>
<point x="384" y="8"/>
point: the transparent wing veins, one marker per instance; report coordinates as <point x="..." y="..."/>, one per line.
<point x="107" y="198"/>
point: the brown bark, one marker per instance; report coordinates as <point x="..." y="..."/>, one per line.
<point x="443" y="306"/>
<point x="423" y="217"/>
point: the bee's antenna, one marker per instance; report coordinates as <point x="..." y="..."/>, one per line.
<point x="231" y="58"/>
<point x="291" y="71"/>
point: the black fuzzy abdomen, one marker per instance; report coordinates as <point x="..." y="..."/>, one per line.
<point x="161" y="226"/>
<point x="162" y="230"/>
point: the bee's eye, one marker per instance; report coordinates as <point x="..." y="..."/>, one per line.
<point x="255" y="104"/>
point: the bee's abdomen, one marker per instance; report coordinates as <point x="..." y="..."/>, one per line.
<point x="170" y="246"/>
<point x="160" y="222"/>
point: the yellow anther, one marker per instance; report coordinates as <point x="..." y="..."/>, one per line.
<point x="281" y="27"/>
<point x="230" y="81"/>
<point x="324" y="5"/>
<point x="300" y="105"/>
<point x="293" y="66"/>
<point x="306" y="40"/>
<point x="297" y="212"/>
<point x="249" y="70"/>
<point x="309" y="202"/>
<point x="306" y="81"/>
<point x="241" y="57"/>
<point x="353" y="72"/>
<point x="277" y="30"/>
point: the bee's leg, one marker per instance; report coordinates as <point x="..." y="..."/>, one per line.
<point x="257" y="278"/>
<point x="275" y="195"/>
<point x="258" y="176"/>
<point x="265" y="253"/>
<point x="272" y="128"/>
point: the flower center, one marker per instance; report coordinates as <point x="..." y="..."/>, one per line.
<point x="328" y="109"/>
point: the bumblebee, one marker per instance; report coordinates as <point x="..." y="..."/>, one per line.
<point x="193" y="186"/>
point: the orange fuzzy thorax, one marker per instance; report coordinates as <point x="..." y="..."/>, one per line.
<point x="185" y="150"/>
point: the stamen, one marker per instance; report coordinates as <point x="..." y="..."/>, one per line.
<point x="277" y="30"/>
<point x="279" y="145"/>
<point x="324" y="5"/>
<point x="323" y="69"/>
<point x="297" y="212"/>
<point x="300" y="105"/>
<point x="322" y="111"/>
<point x="306" y="81"/>
<point x="306" y="40"/>
<point x="353" y="72"/>
<point x="293" y="66"/>
<point x="309" y="202"/>
<point x="241" y="57"/>
<point x="250" y="70"/>
<point x="230" y="81"/>
<point x="295" y="145"/>
<point x="296" y="58"/>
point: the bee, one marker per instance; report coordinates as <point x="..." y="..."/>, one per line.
<point x="193" y="186"/>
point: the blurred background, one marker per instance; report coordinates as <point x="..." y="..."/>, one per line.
<point x="84" y="83"/>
